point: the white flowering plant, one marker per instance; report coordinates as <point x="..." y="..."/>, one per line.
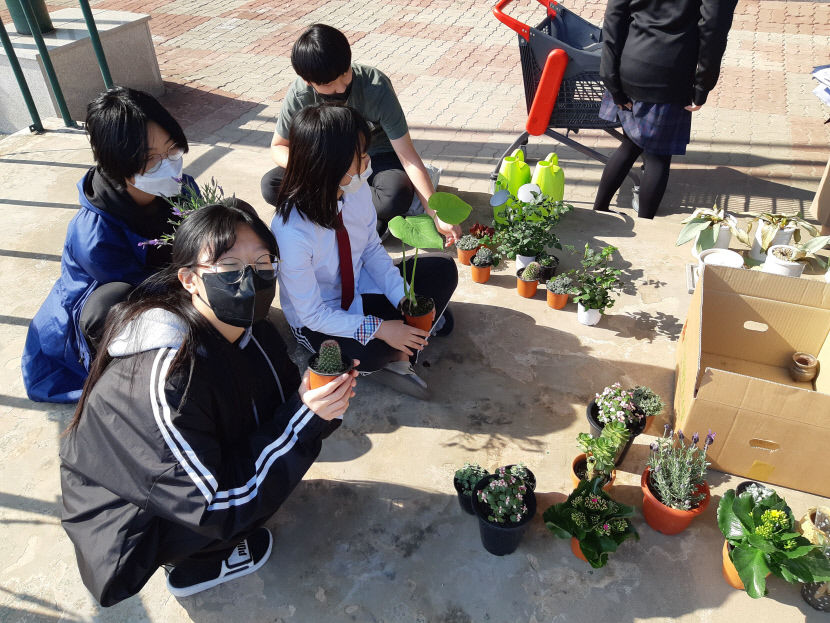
<point x="616" y="404"/>
<point x="505" y="497"/>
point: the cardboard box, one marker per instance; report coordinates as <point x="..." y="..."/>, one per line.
<point x="732" y="376"/>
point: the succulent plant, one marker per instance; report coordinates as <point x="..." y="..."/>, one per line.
<point x="531" y="272"/>
<point x="646" y="401"/>
<point x="467" y="243"/>
<point x="562" y="284"/>
<point x="329" y="359"/>
<point x="482" y="258"/>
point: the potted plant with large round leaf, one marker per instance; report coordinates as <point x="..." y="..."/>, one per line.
<point x="759" y="529"/>
<point x="596" y="524"/>
<point x="419" y="232"/>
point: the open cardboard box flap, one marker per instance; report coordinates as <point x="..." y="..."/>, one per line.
<point x="732" y="375"/>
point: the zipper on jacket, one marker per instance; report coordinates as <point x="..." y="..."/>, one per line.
<point x="270" y="365"/>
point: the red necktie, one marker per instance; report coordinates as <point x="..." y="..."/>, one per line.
<point x="344" y="250"/>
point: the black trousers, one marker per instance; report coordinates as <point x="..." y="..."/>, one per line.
<point x="392" y="190"/>
<point x="436" y="276"/>
<point x="96" y="308"/>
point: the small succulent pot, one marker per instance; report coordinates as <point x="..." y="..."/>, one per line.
<point x="480" y="274"/>
<point x="321" y="366"/>
<point x="804" y="367"/>
<point x="664" y="518"/>
<point x="526" y="289"/>
<point x="465" y="255"/>
<point x="424" y="319"/>
<point x="578" y="467"/>
<point x="557" y="301"/>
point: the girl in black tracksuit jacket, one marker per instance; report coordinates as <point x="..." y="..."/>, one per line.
<point x="660" y="59"/>
<point x="186" y="441"/>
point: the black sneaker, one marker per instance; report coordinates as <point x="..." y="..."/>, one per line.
<point x="194" y="576"/>
<point x="445" y="324"/>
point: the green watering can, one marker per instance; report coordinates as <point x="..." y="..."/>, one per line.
<point x="550" y="177"/>
<point x="514" y="173"/>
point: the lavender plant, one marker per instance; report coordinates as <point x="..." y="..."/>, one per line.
<point x="678" y="468"/>
<point x="505" y="497"/>
<point x="186" y="204"/>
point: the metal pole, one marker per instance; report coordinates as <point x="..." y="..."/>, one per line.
<point x="96" y="42"/>
<point x="47" y="64"/>
<point x="36" y="126"/>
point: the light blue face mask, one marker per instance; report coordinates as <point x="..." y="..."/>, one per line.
<point x="358" y="179"/>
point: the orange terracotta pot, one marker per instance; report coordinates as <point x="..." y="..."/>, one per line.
<point x="527" y="289"/>
<point x="664" y="518"/>
<point x="576" y="549"/>
<point x="557" y="301"/>
<point x="576" y="480"/>
<point x="480" y="273"/>
<point x="424" y="321"/>
<point x="730" y="573"/>
<point x="318" y="380"/>
<point x="464" y="255"/>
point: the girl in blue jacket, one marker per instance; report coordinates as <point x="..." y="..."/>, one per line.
<point x="138" y="147"/>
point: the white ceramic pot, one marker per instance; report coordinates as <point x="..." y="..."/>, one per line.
<point x="777" y="266"/>
<point x="782" y="236"/>
<point x="720" y="257"/>
<point x="525" y="192"/>
<point x="724" y="238"/>
<point x="524" y="260"/>
<point x="589" y="317"/>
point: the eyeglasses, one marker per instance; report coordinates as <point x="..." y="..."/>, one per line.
<point x="153" y="163"/>
<point x="232" y="270"/>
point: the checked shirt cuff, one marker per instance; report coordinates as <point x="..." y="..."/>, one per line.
<point x="366" y="331"/>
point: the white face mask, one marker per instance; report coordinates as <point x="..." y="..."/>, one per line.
<point x="358" y="179"/>
<point x="165" y="182"/>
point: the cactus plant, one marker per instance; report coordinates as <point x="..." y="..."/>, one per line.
<point x="483" y="257"/>
<point x="531" y="272"/>
<point x="329" y="359"/>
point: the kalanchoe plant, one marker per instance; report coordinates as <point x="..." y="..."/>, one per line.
<point x="561" y="284"/>
<point x="468" y="476"/>
<point x="599" y="523"/>
<point x="678" y="469"/>
<point x="601" y="452"/>
<point x="616" y="404"/>
<point x="468" y="242"/>
<point x="596" y="280"/>
<point x="530" y="272"/>
<point x="505" y="498"/>
<point x="329" y="360"/>
<point x="186" y="204"/>
<point x="482" y="258"/>
<point x="760" y="531"/>
<point x="646" y="401"/>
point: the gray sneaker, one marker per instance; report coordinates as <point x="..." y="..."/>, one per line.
<point x="400" y="376"/>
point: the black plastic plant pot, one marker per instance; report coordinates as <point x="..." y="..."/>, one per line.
<point x="548" y="272"/>
<point x="464" y="501"/>
<point x="592" y="415"/>
<point x="531" y="477"/>
<point x="808" y="592"/>
<point x="501" y="539"/>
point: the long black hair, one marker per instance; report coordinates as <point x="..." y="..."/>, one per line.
<point x="212" y="230"/>
<point x="323" y="142"/>
<point x="116" y="123"/>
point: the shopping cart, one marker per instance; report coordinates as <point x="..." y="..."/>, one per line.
<point x="560" y="68"/>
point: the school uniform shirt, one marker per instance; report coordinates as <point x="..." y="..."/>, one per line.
<point x="309" y="275"/>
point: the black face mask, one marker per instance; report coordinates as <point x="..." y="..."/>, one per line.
<point x="239" y="304"/>
<point x="337" y="98"/>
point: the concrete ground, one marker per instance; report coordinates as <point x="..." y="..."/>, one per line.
<point x="374" y="533"/>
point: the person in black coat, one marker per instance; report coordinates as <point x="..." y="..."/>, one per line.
<point x="659" y="61"/>
<point x="194" y="425"/>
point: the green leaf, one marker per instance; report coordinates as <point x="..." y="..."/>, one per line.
<point x="450" y="208"/>
<point x="416" y="231"/>
<point x="728" y="521"/>
<point x="707" y="237"/>
<point x="816" y="244"/>
<point x="691" y="230"/>
<point x="752" y="569"/>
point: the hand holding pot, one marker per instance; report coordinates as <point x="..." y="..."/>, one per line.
<point x="332" y="399"/>
<point x="401" y="336"/>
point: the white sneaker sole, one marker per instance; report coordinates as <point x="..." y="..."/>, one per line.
<point x="226" y="576"/>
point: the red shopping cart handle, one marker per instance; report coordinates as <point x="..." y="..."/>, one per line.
<point x="514" y="24"/>
<point x="546" y="93"/>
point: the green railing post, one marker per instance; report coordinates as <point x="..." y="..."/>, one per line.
<point x="36" y="126"/>
<point x="47" y="64"/>
<point x="96" y="42"/>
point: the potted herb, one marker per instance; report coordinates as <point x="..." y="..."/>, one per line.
<point x="674" y="482"/>
<point x="547" y="266"/>
<point x="595" y="523"/>
<point x="632" y="407"/>
<point x="599" y="455"/>
<point x="327" y="364"/>
<point x="527" y="280"/>
<point x="710" y="228"/>
<point x="529" y="229"/>
<point x="419" y="232"/>
<point x="504" y="505"/>
<point x="790" y="260"/>
<point x="464" y="481"/>
<point x="759" y="530"/>
<point x="467" y="247"/>
<point x="815" y="527"/>
<point x="480" y="265"/>
<point x="775" y="229"/>
<point x="559" y="289"/>
<point x="595" y="282"/>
